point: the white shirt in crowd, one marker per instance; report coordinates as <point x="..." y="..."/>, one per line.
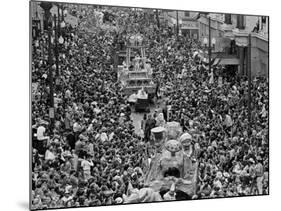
<point x="86" y="165"/>
<point x="68" y="94"/>
<point x="40" y="133"/>
<point x="76" y="127"/>
<point x="49" y="155"/>
<point x="228" y="121"/>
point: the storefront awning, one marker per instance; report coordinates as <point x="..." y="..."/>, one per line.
<point x="229" y="61"/>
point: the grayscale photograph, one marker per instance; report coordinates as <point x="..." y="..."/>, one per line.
<point x="140" y="105"/>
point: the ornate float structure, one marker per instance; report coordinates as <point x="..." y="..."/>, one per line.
<point x="171" y="174"/>
<point x="135" y="73"/>
<point x="174" y="162"/>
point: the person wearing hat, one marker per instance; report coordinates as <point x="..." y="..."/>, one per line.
<point x="86" y="165"/>
<point x="42" y="140"/>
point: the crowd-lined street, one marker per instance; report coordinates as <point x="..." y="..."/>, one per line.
<point x="89" y="145"/>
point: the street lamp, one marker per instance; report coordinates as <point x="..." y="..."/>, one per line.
<point x="46" y="6"/>
<point x="205" y="42"/>
<point x="249" y="82"/>
<point x="213" y="42"/>
<point x="63" y="13"/>
<point x="174" y="24"/>
<point x="180" y="24"/>
<point x="177" y="24"/>
<point x="209" y="44"/>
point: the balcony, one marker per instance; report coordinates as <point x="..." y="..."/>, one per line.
<point x="228" y="30"/>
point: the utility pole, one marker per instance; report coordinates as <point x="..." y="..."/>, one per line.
<point x="59" y="31"/>
<point x="46" y="6"/>
<point x="249" y="82"/>
<point x="177" y="24"/>
<point x="210" y="47"/>
<point x="56" y="46"/>
<point x="62" y="15"/>
<point x="157" y="19"/>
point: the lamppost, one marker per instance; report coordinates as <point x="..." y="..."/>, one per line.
<point x="174" y="25"/>
<point x="61" y="13"/>
<point x="209" y="44"/>
<point x="56" y="48"/>
<point x="58" y="40"/>
<point x="46" y="6"/>
<point x="64" y="13"/>
<point x="177" y="24"/>
<point x="36" y="24"/>
<point x="249" y="82"/>
<point x="180" y="25"/>
<point x="157" y="19"/>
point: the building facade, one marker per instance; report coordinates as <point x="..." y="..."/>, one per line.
<point x="249" y="33"/>
<point x="231" y="34"/>
<point x="37" y="17"/>
<point x="216" y="30"/>
<point x="187" y="22"/>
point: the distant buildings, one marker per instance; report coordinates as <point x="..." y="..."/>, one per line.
<point x="37" y="16"/>
<point x="230" y="33"/>
<point x="38" y="19"/>
<point x="237" y="29"/>
<point x="188" y="24"/>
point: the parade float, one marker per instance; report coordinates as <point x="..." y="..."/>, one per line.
<point x="172" y="172"/>
<point x="174" y="162"/>
<point x="135" y="73"/>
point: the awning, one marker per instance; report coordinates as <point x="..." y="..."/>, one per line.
<point x="229" y="61"/>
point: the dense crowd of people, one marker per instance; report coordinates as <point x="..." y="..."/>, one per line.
<point x="214" y="109"/>
<point x="89" y="153"/>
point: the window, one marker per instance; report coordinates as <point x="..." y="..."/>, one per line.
<point x="240" y="22"/>
<point x="233" y="48"/>
<point x="186" y="14"/>
<point x="263" y="22"/>
<point x="227" y="19"/>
